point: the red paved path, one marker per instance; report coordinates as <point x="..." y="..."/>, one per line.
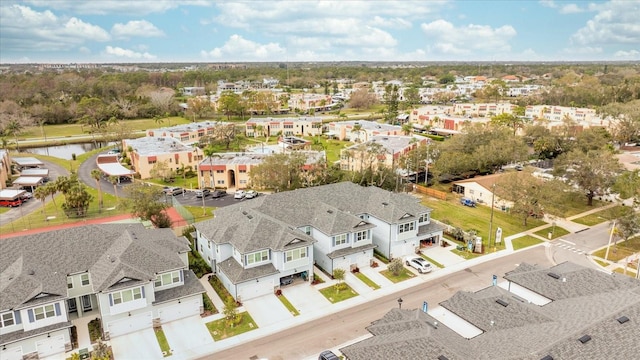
<point x="176" y="219"/>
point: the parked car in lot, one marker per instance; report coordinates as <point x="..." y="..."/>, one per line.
<point x="174" y="191"/>
<point x="250" y="194"/>
<point x="240" y="194"/>
<point x="218" y="193"/>
<point x="467" y="202"/>
<point x="11" y="203"/>
<point x="328" y="355"/>
<point x="418" y="263"/>
<point x="26" y="196"/>
<point x="203" y="193"/>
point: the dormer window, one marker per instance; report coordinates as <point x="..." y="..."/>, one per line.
<point x="406" y="227"/>
<point x="257" y="257"/>
<point x="85" y="279"/>
<point x="423" y="218"/>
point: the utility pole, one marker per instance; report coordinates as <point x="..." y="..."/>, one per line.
<point x="493" y="195"/>
<point x="613" y="227"/>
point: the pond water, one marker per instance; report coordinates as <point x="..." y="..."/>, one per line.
<point x="66" y="151"/>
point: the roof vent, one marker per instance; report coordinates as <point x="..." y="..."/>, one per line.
<point x="31" y="272"/>
<point x="622" y="319"/>
<point x="244" y="213"/>
<point x="554" y="275"/>
<point x="250" y="217"/>
<point x="330" y="211"/>
<point x="385" y="203"/>
<point x="502" y="302"/>
<point x="112" y="258"/>
<point x="584" y="339"/>
<point x="442" y="357"/>
<point x="547" y="357"/>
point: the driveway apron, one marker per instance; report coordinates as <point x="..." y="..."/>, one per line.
<point x="305" y="298"/>
<point x="136" y="345"/>
<point x="267" y="310"/>
<point x="187" y="336"/>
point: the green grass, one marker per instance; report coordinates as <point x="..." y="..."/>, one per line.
<point x="317" y="279"/>
<point x="4" y="210"/>
<point x="477" y="218"/>
<point x="162" y="341"/>
<point x="571" y="203"/>
<point x="288" y="305"/>
<point x="404" y="275"/>
<point x="431" y="261"/>
<point x="525" y="241"/>
<point x="346" y="292"/>
<point x="629" y="272"/>
<point x="197" y="212"/>
<point x="219" y="288"/>
<point x="466" y="254"/>
<point x="208" y="304"/>
<point x="68" y="130"/>
<point x="601" y="263"/>
<point x="556" y="232"/>
<point x="603" y="215"/>
<point x="620" y="250"/>
<point x="189" y="183"/>
<point x="367" y="281"/>
<point x="220" y="329"/>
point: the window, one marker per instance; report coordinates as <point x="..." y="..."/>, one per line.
<point x="295" y="254"/>
<point x="339" y="239"/>
<point x="220" y="182"/>
<point x="44" y="312"/>
<point x="402" y="228"/>
<point x="85" y="279"/>
<point x="126" y="296"/>
<point x="288" y="126"/>
<point x="362" y="235"/>
<point x="242" y="171"/>
<point x="6" y="319"/>
<point x="219" y="171"/>
<point x="69" y="282"/>
<point x="423" y="218"/>
<point x="243" y="181"/>
<point x="151" y="162"/>
<point x="257" y="257"/>
<point x="168" y="278"/>
<point x="307" y="230"/>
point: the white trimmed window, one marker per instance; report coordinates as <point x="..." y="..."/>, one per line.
<point x="406" y="227"/>
<point x="257" y="257"/>
<point x="168" y="278"/>
<point x="423" y="218"/>
<point x="6" y="320"/>
<point x="340" y="239"/>
<point x="44" y="312"/>
<point x="295" y="254"/>
<point x="85" y="279"/>
<point x="126" y="296"/>
<point x="362" y="235"/>
<point x="307" y="230"/>
<point x="69" y="282"/>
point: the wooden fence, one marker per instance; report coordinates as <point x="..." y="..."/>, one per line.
<point x="430" y="192"/>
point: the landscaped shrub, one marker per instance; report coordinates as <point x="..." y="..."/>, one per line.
<point x="378" y="255"/>
<point x="95" y="330"/>
<point x="209" y="308"/>
<point x="219" y="288"/>
<point x="395" y="266"/>
<point x="198" y="265"/>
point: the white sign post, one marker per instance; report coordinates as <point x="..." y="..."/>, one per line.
<point x="499" y="235"/>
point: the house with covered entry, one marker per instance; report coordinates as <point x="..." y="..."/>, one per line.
<point x="129" y="277"/>
<point x="253" y="245"/>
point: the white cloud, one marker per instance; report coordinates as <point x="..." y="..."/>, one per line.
<point x="24" y="29"/>
<point x="631" y="54"/>
<point x="548" y="3"/>
<point x="238" y="48"/>
<point x="616" y="22"/>
<point x="585" y="50"/>
<point x="136" y="28"/>
<point x="396" y="23"/>
<point x="470" y="39"/>
<point x="571" y="9"/>
<point x="118" y="7"/>
<point x="127" y="53"/>
<point x="84" y="50"/>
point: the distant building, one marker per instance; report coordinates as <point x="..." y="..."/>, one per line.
<point x="380" y="151"/>
<point x="564" y="312"/>
<point x="361" y="130"/>
<point x="5" y="169"/>
<point x="146" y="152"/>
<point x="289" y="126"/>
<point x="187" y="133"/>
<point x="192" y="91"/>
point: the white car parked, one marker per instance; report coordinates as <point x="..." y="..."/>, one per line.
<point x="418" y="263"/>
<point x="250" y="194"/>
<point x="240" y="194"/>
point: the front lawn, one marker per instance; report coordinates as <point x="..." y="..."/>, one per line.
<point x="525" y="241"/>
<point x="620" y="250"/>
<point x="603" y="215"/>
<point x="220" y="329"/>
<point x="199" y="214"/>
<point x="431" y="261"/>
<point x="333" y="295"/>
<point x="367" y="281"/>
<point x="404" y="275"/>
<point x="162" y="341"/>
<point x="629" y="272"/>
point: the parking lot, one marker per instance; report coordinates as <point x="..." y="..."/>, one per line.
<point x="189" y="198"/>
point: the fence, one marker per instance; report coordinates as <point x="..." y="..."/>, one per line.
<point x="430" y="192"/>
<point x="186" y="214"/>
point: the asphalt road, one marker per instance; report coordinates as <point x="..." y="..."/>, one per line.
<point x="576" y="247"/>
<point x="308" y="340"/>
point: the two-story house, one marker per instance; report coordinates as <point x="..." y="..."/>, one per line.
<point x="128" y="276"/>
<point x="251" y="244"/>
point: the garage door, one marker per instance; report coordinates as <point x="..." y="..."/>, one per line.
<point x="50" y="346"/>
<point x="12" y="353"/>
<point x="402" y="250"/>
<point x="254" y="289"/>
<point x="341" y="264"/>
<point x="364" y="260"/>
<point x="130" y="324"/>
<point x="179" y="311"/>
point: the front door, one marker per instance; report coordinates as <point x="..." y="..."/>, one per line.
<point x="71" y="303"/>
<point x="86" y="303"/>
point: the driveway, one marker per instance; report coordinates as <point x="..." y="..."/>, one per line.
<point x="136" y="345"/>
<point x="187" y="337"/>
<point x="305" y="298"/>
<point x="267" y="310"/>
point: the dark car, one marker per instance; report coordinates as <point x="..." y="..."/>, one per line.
<point x="328" y="355"/>
<point x="218" y="193"/>
<point x="287" y="280"/>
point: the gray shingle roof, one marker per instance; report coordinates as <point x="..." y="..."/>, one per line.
<point x="21" y="335"/>
<point x="237" y="274"/>
<point x="520" y="330"/>
<point x="271" y="221"/>
<point x="192" y="286"/>
<point x="39" y="263"/>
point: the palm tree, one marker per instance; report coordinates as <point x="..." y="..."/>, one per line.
<point x="41" y="194"/>
<point x="14" y="127"/>
<point x="407" y="129"/>
<point x="114" y="180"/>
<point x="51" y="189"/>
<point x="96" y="174"/>
<point x="209" y="151"/>
<point x="357" y="128"/>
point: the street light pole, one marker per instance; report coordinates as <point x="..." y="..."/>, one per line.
<point x="613" y="227"/>
<point x="493" y="195"/>
<point x="400" y="303"/>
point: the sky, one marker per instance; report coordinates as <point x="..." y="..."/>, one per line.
<point x="125" y="31"/>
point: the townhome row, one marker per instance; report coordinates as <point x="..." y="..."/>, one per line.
<point x="129" y="277"/>
<point x="253" y="246"/>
